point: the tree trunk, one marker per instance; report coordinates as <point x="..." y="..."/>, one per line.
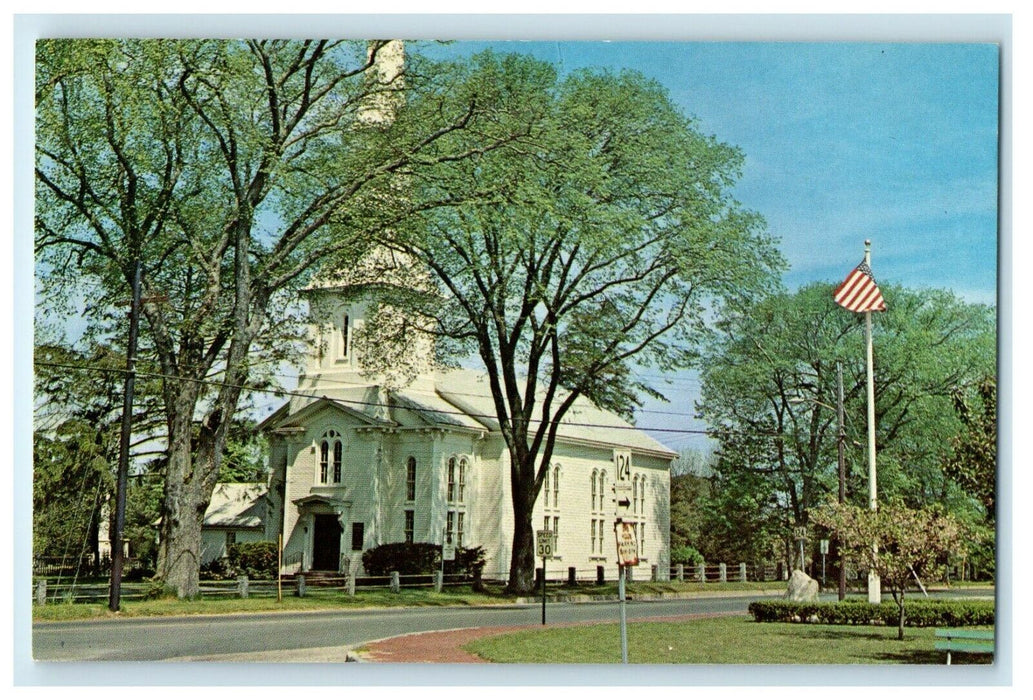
<point x="179" y="557"/>
<point x="521" y="563"/>
<point x="190" y="479"/>
<point x="900" y="619"/>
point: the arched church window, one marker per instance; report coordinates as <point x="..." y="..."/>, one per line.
<point x="410" y="479"/>
<point x="331" y="442"/>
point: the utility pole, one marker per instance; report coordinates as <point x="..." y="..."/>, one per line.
<point x="115" y="598"/>
<point x="841" y="441"/>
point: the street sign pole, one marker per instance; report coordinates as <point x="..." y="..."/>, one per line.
<point x="546" y="545"/>
<point x="543" y="590"/>
<point x="624" y="616"/>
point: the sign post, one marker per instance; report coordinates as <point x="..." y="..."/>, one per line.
<point x="824" y="551"/>
<point x="801" y="536"/>
<point x="627" y="555"/>
<point x="546" y="545"/>
<point x="448" y="550"/>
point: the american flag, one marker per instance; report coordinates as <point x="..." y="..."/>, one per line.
<point x="859" y="292"/>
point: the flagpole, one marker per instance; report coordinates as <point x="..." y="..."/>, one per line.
<point x="874" y="584"/>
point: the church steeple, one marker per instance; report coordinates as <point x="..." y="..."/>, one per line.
<point x="341" y="299"/>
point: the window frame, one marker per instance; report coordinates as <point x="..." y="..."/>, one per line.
<point x="409" y="526"/>
<point x="410" y="479"/>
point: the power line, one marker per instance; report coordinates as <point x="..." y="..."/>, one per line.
<point x="356" y="402"/>
<point x="341" y="382"/>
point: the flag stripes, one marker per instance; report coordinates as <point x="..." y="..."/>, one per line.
<point x="859" y="292"/>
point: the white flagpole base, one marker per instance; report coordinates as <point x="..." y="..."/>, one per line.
<point x="874" y="588"/>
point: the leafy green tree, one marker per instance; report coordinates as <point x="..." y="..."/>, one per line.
<point x="229" y="171"/>
<point x="71" y="481"/>
<point x="910" y="542"/>
<point x="972" y="461"/>
<point x="244" y="455"/>
<point x="769" y="393"/>
<point x="689" y="496"/>
<point x="594" y="243"/>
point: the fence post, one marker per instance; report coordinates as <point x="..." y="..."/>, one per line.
<point x="629" y="574"/>
<point x="351" y="584"/>
<point x="681" y="572"/>
<point x="301" y="585"/>
<point x="571" y="575"/>
<point x="41" y="592"/>
<point x="600" y="575"/>
<point x="242" y="586"/>
<point x="701" y="572"/>
<point x="654" y="573"/>
<point x="722" y="569"/>
<point x="439" y="581"/>
<point x="396" y="584"/>
<point x="742" y="571"/>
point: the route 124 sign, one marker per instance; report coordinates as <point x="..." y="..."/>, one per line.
<point x="627" y="544"/>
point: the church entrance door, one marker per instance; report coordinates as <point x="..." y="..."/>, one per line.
<point x="326" y="543"/>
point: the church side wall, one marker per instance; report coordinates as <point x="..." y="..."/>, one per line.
<point x="576" y="510"/>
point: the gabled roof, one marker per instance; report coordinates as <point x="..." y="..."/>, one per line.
<point x="459" y="400"/>
<point x="236" y="506"/>
<point x="282" y="418"/>
<point x="584" y="423"/>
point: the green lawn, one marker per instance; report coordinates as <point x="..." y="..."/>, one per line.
<point x="316" y="600"/>
<point x="725" y="640"/>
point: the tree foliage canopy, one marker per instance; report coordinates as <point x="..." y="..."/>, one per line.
<point x="229" y="171"/>
<point x="769" y="392"/>
<point x="593" y="244"/>
<point x="972" y="461"/>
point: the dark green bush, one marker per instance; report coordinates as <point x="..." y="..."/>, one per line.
<point x="917" y="613"/>
<point x="686" y="555"/>
<point x="253" y="559"/>
<point x="414" y="558"/>
<point x="216" y="570"/>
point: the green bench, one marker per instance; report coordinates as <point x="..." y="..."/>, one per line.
<point x="970" y="641"/>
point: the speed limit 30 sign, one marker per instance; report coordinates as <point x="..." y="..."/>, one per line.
<point x="546" y="544"/>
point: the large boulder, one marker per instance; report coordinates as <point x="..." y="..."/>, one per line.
<point x="802" y="588"/>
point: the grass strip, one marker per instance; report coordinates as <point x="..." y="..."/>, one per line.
<point x="724" y="640"/>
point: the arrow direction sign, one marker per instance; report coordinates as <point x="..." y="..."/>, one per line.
<point x="624" y="503"/>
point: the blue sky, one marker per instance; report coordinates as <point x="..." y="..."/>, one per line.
<point x="844" y="141"/>
<point x="897" y="143"/>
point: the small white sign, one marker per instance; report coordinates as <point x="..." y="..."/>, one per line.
<point x="448" y="552"/>
<point x="627" y="544"/>
<point x="622" y="464"/>
<point x="824" y="546"/>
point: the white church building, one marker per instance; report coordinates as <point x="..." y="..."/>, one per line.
<point x="355" y="464"/>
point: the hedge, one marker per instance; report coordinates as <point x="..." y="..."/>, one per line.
<point x="412" y="558"/>
<point x="917" y="613"/>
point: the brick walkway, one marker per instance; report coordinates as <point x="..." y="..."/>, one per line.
<point x="445" y="647"/>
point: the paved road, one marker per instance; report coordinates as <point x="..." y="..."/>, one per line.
<point x="182" y="638"/>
